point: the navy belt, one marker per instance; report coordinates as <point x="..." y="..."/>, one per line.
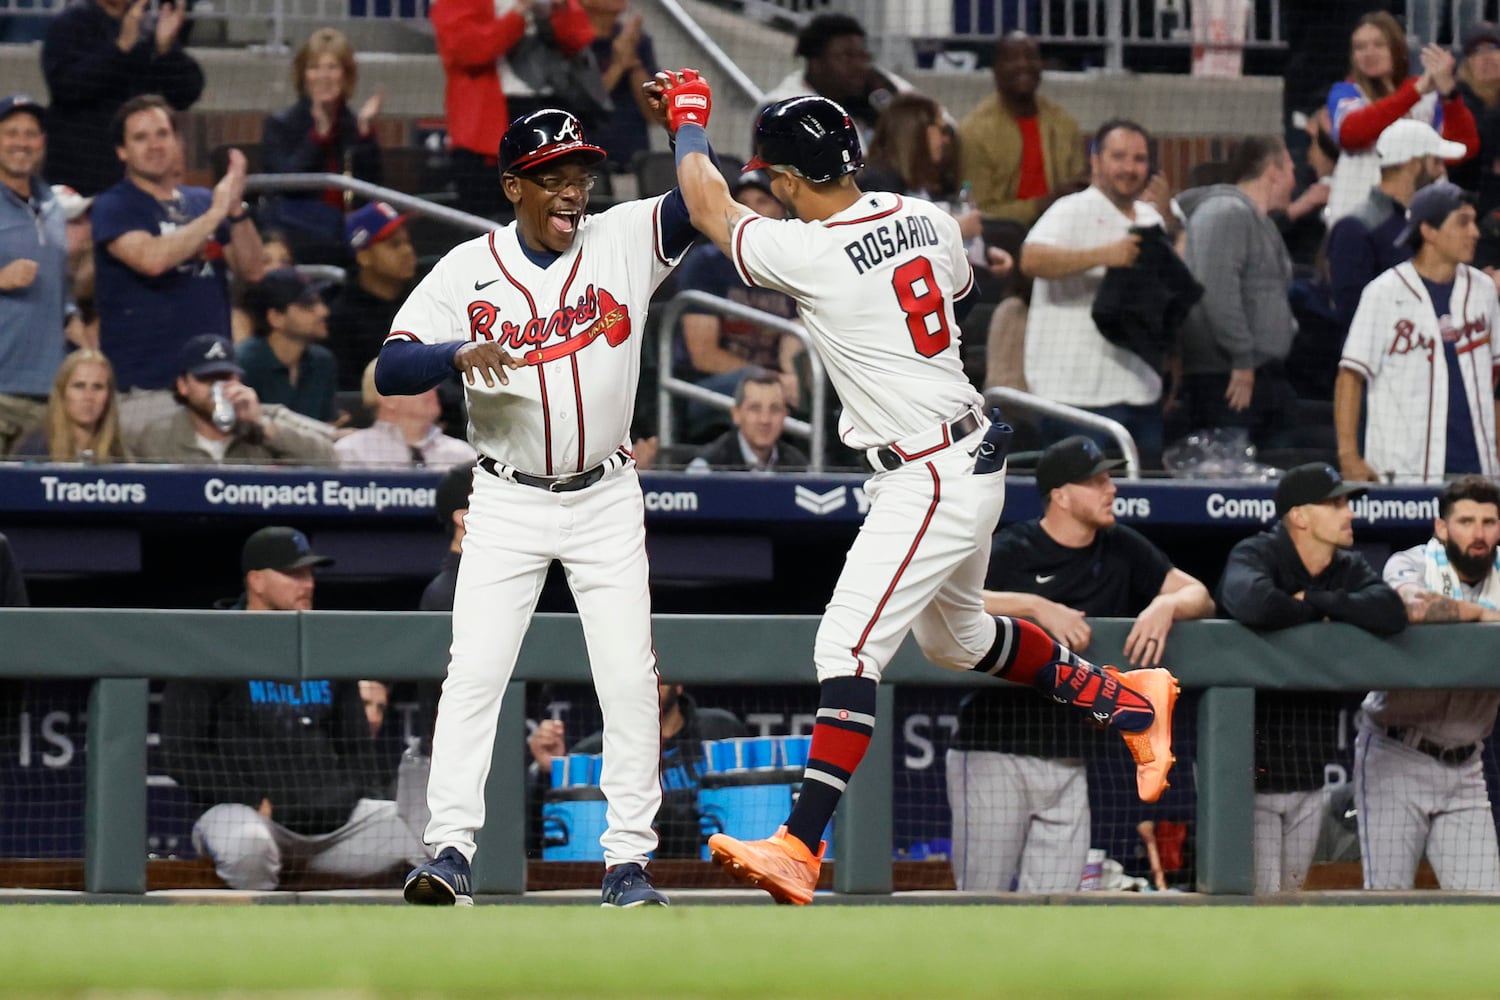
<point x="556" y="484"/>
<point x="958" y="429"/>
<point x="1438" y="752"/>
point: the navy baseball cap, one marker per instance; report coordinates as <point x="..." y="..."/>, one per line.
<point x="1071" y="460"/>
<point x="1315" y="482"/>
<point x="279" y="549"/>
<point x="542" y="136"/>
<point x="367" y="226"/>
<point x="17" y="103"/>
<point x="208" y="354"/>
<point x="1432" y="205"/>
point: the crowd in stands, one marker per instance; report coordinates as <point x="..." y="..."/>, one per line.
<point x="1225" y="304"/>
<point x="1334" y="300"/>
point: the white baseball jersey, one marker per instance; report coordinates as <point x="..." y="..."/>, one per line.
<point x="1451" y="718"/>
<point x="874" y="286"/>
<point x="1067" y="359"/>
<point x="1395" y="343"/>
<point x="582" y="318"/>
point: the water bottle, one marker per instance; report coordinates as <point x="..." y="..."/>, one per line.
<point x="962" y="206"/>
<point x="223" y="413"/>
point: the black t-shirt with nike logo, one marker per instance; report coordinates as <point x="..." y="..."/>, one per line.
<point x="1115" y="577"/>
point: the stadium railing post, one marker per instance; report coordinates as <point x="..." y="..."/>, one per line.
<point x="115" y="807"/>
<point x="1226" y="791"/>
<point x="500" y="847"/>
<point x="863" y="830"/>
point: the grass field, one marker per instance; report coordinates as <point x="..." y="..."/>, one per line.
<point x="718" y="952"/>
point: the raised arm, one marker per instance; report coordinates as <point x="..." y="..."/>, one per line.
<point x="156" y="255"/>
<point x="688" y="101"/>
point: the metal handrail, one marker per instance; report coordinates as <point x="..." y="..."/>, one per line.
<point x="270" y="183"/>
<point x="669" y="386"/>
<point x="703" y="40"/>
<point x="1000" y="395"/>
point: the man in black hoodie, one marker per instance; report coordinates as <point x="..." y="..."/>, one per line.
<point x="286" y="770"/>
<point x="1301" y="571"/>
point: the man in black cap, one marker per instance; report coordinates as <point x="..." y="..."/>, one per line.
<point x="1420" y="346"/>
<point x="1303" y="570"/>
<point x="286" y="362"/>
<point x="286" y="771"/>
<point x="220" y="420"/>
<point x="1017" y="778"/>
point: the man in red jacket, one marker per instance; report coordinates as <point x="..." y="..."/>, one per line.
<point x="483" y="94"/>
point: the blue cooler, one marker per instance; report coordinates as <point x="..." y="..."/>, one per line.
<point x="573" y="810"/>
<point x="572" y="823"/>
<point x="747" y="788"/>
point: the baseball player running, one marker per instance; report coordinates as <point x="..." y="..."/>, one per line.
<point x="544" y="319"/>
<point x="1418" y="770"/>
<point x="876" y="278"/>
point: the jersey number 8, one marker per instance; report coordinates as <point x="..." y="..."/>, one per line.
<point x="920" y="306"/>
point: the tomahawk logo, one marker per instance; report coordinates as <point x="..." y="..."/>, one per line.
<point x="820" y="503"/>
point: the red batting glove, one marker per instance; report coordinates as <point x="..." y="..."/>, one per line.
<point x="688" y="100"/>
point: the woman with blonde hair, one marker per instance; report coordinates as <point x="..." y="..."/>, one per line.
<point x="83" y="415"/>
<point x="321" y="134"/>
<point x="1377" y="93"/>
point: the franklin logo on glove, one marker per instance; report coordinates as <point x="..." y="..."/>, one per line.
<point x="689" y="99"/>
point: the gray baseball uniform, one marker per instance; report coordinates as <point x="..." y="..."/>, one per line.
<point x="1419" y="774"/>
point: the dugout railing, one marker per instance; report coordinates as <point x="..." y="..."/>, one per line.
<point x="118" y="649"/>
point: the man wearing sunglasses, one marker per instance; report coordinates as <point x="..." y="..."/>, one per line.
<point x="545" y="319"/>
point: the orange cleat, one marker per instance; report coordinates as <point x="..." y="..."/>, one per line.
<point x="782" y="865"/>
<point x="1151" y="747"/>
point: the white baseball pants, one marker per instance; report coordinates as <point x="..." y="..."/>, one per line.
<point x="918" y="564"/>
<point x="1409" y="804"/>
<point x="1018" y="818"/>
<point x="512" y="534"/>
<point x="1286" y="835"/>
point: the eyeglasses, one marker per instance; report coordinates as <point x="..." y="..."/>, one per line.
<point x="557" y="184"/>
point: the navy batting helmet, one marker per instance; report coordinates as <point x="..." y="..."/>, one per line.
<point x="544" y="135"/>
<point x="811" y="134"/>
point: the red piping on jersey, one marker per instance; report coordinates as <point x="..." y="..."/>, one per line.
<point x="562" y="298"/>
<point x="1431" y="391"/>
<point x="967" y="285"/>
<point x="541" y="372"/>
<point x="1431" y="383"/>
<point x="403" y="335"/>
<point x="937" y="495"/>
<point x="926" y="451"/>
<point x="870" y="218"/>
<point x="1408" y="285"/>
<point x="1477" y="390"/>
<point x="739" y="238"/>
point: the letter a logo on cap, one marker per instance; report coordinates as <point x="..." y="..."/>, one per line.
<point x="569" y="131"/>
<point x="216" y="351"/>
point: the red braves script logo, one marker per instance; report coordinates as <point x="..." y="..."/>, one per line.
<point x="1475" y="331"/>
<point x="1408" y="340"/>
<point x="596" y="310"/>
